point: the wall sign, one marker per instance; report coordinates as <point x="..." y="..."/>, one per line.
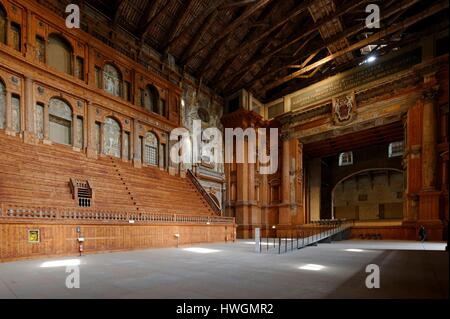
<point x="34" y="236"/>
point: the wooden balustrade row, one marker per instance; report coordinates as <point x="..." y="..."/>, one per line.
<point x="10" y="211"/>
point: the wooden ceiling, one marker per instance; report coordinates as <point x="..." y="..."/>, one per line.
<point x="270" y="47"/>
<point x="381" y="135"/>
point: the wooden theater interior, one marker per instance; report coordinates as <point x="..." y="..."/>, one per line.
<point x="86" y="115"/>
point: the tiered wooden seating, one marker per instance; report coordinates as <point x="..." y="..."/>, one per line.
<point x="156" y="189"/>
<point x="39" y="175"/>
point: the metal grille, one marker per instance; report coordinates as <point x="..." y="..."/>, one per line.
<point x="151" y="155"/>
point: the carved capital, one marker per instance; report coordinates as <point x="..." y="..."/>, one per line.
<point x="430" y="94"/>
<point x="285" y="135"/>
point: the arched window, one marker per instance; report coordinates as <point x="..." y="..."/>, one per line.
<point x="2" y="25"/>
<point x="151" y="149"/>
<point x="151" y="101"/>
<point x="60" y="54"/>
<point x="2" y="105"/>
<point x="112" y="80"/>
<point x="111" y="137"/>
<point x="60" y="121"/>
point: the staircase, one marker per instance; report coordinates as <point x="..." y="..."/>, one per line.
<point x="125" y="185"/>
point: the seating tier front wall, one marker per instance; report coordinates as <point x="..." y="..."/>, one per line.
<point x="60" y="239"/>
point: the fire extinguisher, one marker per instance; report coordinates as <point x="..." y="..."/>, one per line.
<point x="81" y="245"/>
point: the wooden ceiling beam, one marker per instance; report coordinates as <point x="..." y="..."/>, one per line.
<point x="323" y="44"/>
<point x="405" y="42"/>
<point x="152" y="19"/>
<point x="203" y="15"/>
<point x="235" y="24"/>
<point x="117" y="10"/>
<point x="186" y="56"/>
<point x="276" y="25"/>
<point x="304" y="33"/>
<point x="252" y="33"/>
<point x="442" y="5"/>
<point x="232" y="5"/>
<point x="177" y="23"/>
<point x="273" y="69"/>
<point x="236" y="80"/>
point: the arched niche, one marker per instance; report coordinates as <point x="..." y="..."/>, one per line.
<point x="60" y="53"/>
<point x="151" y="149"/>
<point x="112" y="133"/>
<point x="60" y="121"/>
<point x="112" y="80"/>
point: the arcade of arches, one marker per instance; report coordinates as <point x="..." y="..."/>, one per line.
<point x="85" y="140"/>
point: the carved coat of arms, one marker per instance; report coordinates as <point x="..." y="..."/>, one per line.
<point x="344" y="109"/>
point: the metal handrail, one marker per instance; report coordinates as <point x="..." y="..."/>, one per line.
<point x="204" y="193"/>
<point x="305" y="235"/>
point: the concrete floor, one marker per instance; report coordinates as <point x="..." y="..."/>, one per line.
<point x="407" y="270"/>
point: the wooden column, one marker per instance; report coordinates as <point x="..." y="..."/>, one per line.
<point x="429" y="205"/>
<point x="429" y="140"/>
<point x="161" y="156"/>
<point x="297" y="181"/>
<point x="284" y="210"/>
<point x="137" y="156"/>
<point x="90" y="124"/>
<point x="46" y="125"/>
<point x="74" y="132"/>
<point x="242" y="187"/>
<point x="9" y="129"/>
<point x="29" y="129"/>
<point x="413" y="162"/>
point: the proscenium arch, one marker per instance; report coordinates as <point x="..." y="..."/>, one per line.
<point x="357" y="173"/>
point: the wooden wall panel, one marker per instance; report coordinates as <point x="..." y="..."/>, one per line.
<point x="61" y="239"/>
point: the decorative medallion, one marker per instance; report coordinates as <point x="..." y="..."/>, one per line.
<point x="344" y="109"/>
<point x="98" y="111"/>
<point x="40" y="90"/>
<point x="15" y="80"/>
<point x="79" y="104"/>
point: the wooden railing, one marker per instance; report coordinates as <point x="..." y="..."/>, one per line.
<point x="204" y="193"/>
<point x="41" y="213"/>
<point x="81" y="192"/>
